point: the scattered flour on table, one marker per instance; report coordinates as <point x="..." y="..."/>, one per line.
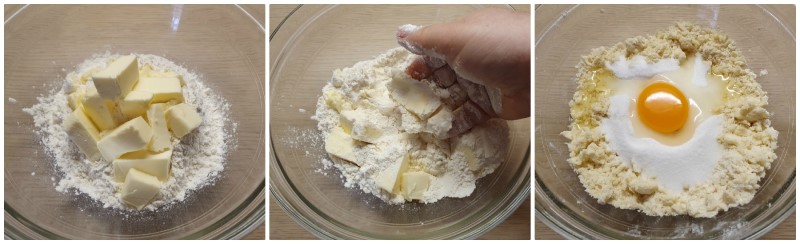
<point x="364" y="88"/>
<point x="198" y="158"/>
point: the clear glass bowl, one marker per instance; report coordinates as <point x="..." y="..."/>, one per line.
<point x="304" y="50"/>
<point x="561" y="202"/>
<point x="45" y="42"/>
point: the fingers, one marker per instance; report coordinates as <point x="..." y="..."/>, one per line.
<point x="437" y="40"/>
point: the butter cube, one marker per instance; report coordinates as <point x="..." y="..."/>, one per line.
<point x="74" y="99"/>
<point x="182" y="119"/>
<point x="355" y="123"/>
<point x="118" y="78"/>
<point x="135" y="103"/>
<point x="99" y="110"/>
<point x="128" y="137"/>
<point x="440" y="123"/>
<point x="161" y="136"/>
<point x="469" y="156"/>
<point x="162" y="88"/>
<point x="340" y="144"/>
<point x="388" y="179"/>
<point x="83" y="133"/>
<point x="153" y="164"/>
<point x="413" y="95"/>
<point x="337" y="101"/>
<point x="415" y="184"/>
<point x="139" y="188"/>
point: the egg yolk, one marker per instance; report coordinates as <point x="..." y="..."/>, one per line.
<point x="662" y="107"/>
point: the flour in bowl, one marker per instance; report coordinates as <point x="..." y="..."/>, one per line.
<point x="197" y="160"/>
<point x="381" y="132"/>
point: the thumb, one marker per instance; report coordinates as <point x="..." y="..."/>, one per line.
<point x="444" y="40"/>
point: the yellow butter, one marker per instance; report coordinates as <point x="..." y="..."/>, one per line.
<point x="388" y="179"/>
<point x="118" y="78"/>
<point x="82" y="132"/>
<point x="157" y="164"/>
<point x="162" y="88"/>
<point x="413" y="95"/>
<point x="135" y="104"/>
<point x="139" y="188"/>
<point x="340" y="144"/>
<point x="182" y="119"/>
<point x="158" y="122"/>
<point x="74" y="99"/>
<point x="415" y="184"/>
<point x="98" y="109"/>
<point x="133" y="135"/>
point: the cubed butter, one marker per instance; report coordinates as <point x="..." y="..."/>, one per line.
<point x="340" y="144"/>
<point x="182" y="119"/>
<point x="469" y="157"/>
<point x="389" y="178"/>
<point x="82" y="132"/>
<point x="118" y="78"/>
<point x="135" y="103"/>
<point x="415" y="184"/>
<point x="162" y="88"/>
<point x="99" y="109"/>
<point x="161" y="137"/>
<point x="337" y="101"/>
<point x="359" y="127"/>
<point x="413" y="95"/>
<point x="157" y="164"/>
<point x="133" y="135"/>
<point x="74" y="99"/>
<point x="139" y="188"/>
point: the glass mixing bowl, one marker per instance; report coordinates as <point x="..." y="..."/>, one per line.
<point x="224" y="44"/>
<point x="304" y="50"/>
<point x="561" y="202"/>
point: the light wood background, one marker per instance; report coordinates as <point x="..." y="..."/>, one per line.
<point x="517" y="226"/>
<point x="785" y="230"/>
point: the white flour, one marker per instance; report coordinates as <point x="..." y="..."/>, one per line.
<point x="401" y="132"/>
<point x="197" y="160"/>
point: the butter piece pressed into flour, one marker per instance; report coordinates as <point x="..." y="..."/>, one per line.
<point x="413" y="95"/>
<point x="340" y="144"/>
<point x="415" y="184"/>
<point x="388" y="179"/>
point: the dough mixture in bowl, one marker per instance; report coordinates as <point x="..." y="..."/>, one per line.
<point x="670" y="124"/>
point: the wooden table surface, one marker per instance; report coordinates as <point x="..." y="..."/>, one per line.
<point x="785" y="230"/>
<point x="517" y="226"/>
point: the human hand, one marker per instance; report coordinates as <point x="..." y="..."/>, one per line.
<point x="484" y="56"/>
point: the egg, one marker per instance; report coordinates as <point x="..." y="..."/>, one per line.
<point x="680" y="96"/>
<point x="662" y="118"/>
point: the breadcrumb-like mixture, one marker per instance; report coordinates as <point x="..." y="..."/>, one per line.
<point x="747" y="137"/>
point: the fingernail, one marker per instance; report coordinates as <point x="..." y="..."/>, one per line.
<point x="402" y="33"/>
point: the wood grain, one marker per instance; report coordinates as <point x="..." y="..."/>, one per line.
<point x="517" y="226"/>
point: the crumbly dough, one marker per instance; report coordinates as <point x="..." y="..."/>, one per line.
<point x="747" y="137"/>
